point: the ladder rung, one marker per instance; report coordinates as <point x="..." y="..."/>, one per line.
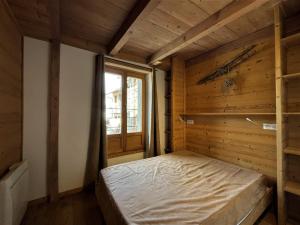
<point x="291" y="39"/>
<point x="292" y="151"/>
<point x="292" y="75"/>
<point x="292" y="187"/>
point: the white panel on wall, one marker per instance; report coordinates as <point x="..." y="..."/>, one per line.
<point x="36" y="64"/>
<point x="76" y="80"/>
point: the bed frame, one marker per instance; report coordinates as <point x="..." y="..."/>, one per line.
<point x="110" y="219"/>
<point x="256" y="212"/>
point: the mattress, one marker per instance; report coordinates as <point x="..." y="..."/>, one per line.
<point x="178" y="188"/>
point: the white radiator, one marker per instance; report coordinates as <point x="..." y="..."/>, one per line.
<point x="14" y="194"/>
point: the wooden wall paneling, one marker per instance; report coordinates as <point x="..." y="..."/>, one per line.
<point x="292" y="85"/>
<point x="293" y="136"/>
<point x="177" y="104"/>
<point x="10" y="89"/>
<point x="252" y="92"/>
<point x="233" y="138"/>
<point x="293" y="203"/>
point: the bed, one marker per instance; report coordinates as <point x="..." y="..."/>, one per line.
<point x="181" y="188"/>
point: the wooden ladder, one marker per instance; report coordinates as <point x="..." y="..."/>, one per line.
<point x="282" y="116"/>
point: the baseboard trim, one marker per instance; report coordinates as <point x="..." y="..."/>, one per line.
<point x="70" y="192"/>
<point x="37" y="201"/>
<point x="60" y="195"/>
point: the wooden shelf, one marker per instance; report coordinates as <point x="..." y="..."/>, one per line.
<point x="291" y="113"/>
<point x="292" y="187"/>
<point x="292" y="151"/>
<point x="291" y="75"/>
<point x="228" y="114"/>
<point x="291" y="40"/>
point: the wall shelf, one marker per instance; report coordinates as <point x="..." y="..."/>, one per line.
<point x="292" y="151"/>
<point x="228" y="114"/>
<point x="292" y="187"/>
<point x="291" y="75"/>
<point x="291" y="113"/>
<point x="291" y="39"/>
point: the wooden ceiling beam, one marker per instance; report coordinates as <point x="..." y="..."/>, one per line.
<point x="141" y="9"/>
<point x="55" y="25"/>
<point x="229" y="13"/>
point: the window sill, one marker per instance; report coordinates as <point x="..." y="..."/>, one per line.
<point x="114" y="155"/>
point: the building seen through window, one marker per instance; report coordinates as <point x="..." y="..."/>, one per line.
<point x="113" y="101"/>
<point x="134" y="104"/>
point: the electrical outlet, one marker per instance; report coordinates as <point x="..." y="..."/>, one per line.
<point x="190" y="122"/>
<point x="269" y="126"/>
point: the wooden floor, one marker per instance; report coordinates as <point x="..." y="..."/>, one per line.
<point x="78" y="209"/>
<point x="81" y="209"/>
<point x="269" y="219"/>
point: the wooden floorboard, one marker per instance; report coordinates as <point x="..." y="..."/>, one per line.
<point x="82" y="209"/>
<point x="78" y="209"/>
<point x="269" y="219"/>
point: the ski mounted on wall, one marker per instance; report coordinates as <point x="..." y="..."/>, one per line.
<point x="243" y="56"/>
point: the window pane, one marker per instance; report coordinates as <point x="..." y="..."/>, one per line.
<point x="113" y="98"/>
<point x="134" y="104"/>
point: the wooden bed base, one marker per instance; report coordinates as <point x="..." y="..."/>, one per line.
<point x="256" y="212"/>
<point x="249" y="219"/>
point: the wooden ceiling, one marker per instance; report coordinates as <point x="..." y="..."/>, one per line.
<point x="94" y="24"/>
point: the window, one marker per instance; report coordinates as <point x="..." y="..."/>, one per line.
<point x="113" y="96"/>
<point x="134" y="104"/>
<point x="125" y="111"/>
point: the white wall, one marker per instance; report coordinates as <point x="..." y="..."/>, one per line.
<point x="77" y="71"/>
<point x="76" y="79"/>
<point x="36" y="64"/>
